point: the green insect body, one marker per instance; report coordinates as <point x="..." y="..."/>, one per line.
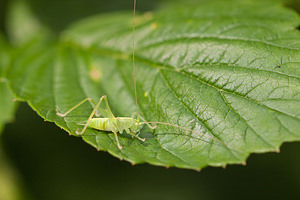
<point x="109" y="123"/>
<point x="119" y="124"/>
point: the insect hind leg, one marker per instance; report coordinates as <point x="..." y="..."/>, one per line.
<point x="97" y="106"/>
<point x="76" y="106"/>
<point x="91" y="115"/>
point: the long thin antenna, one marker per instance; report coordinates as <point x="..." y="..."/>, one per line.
<point x="133" y="62"/>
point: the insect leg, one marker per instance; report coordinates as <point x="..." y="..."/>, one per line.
<point x="91" y="115"/>
<point x="137" y="136"/>
<point x="108" y="113"/>
<point x="76" y="106"/>
<point x="145" y="122"/>
<point x="97" y="113"/>
<point x="118" y="143"/>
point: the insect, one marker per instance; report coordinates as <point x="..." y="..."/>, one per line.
<point x="110" y="123"/>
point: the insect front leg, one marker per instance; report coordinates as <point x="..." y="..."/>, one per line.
<point x="145" y="122"/>
<point x="133" y="134"/>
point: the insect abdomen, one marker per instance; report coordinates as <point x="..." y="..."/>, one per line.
<point x="102" y="124"/>
<point x="106" y="124"/>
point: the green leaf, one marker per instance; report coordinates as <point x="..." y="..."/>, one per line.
<point x="228" y="71"/>
<point x="7" y="107"/>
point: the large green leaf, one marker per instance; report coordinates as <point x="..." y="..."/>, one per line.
<point x="229" y="71"/>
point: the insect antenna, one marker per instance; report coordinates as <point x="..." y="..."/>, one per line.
<point x="133" y="61"/>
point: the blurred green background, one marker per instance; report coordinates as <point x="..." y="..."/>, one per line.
<point x="39" y="161"/>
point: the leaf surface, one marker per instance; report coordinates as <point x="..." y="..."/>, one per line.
<point x="228" y="71"/>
